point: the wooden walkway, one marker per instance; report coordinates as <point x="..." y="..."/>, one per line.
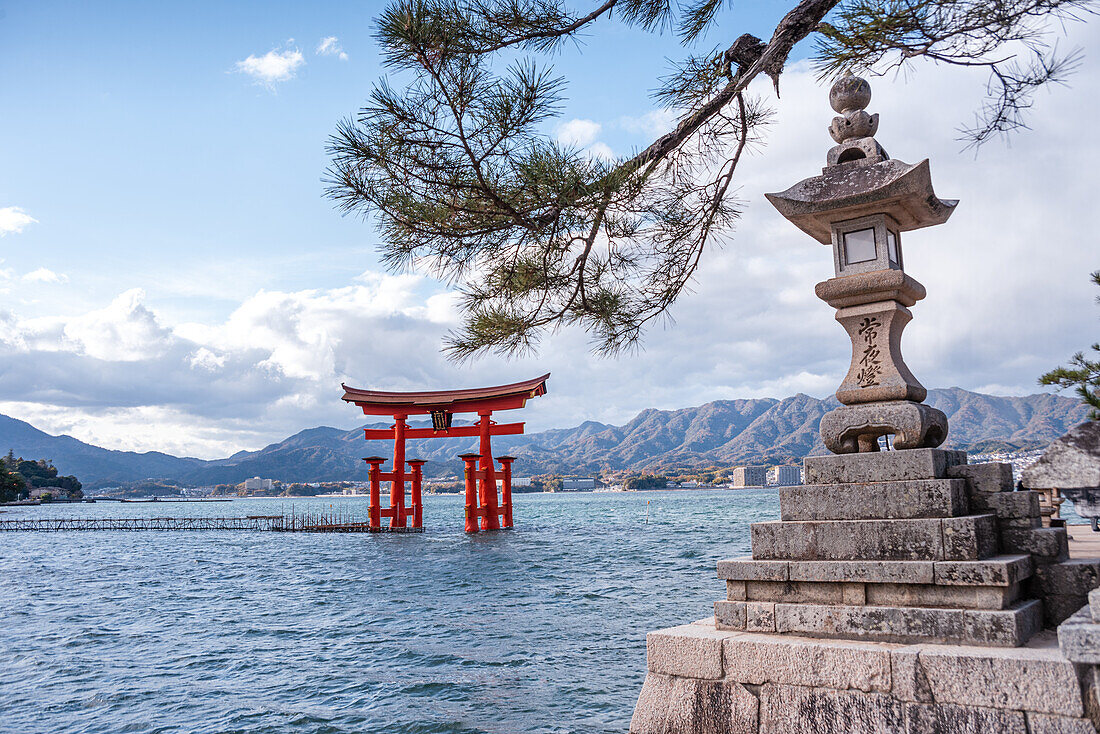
<point x="268" y="523"/>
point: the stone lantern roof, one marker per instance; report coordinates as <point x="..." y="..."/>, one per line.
<point x="860" y="178"/>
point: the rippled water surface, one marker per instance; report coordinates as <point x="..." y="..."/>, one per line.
<point x="537" y="629"/>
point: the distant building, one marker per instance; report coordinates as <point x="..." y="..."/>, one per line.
<point x="785" y="476"/>
<point x="749" y="476"/>
<point x="581" y="484"/>
<point x="521" y="481"/>
<point x="255" y="484"/>
<point x="689" y="484"/>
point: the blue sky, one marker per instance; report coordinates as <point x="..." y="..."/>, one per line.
<point x="168" y="258"/>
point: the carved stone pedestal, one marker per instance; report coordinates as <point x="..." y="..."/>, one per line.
<point x="856" y="428"/>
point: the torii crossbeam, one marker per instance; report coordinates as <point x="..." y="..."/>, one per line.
<point x="441" y="405"/>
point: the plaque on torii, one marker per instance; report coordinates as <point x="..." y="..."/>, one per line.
<point x="482" y="505"/>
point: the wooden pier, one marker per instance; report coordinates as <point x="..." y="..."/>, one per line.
<point x="308" y="523"/>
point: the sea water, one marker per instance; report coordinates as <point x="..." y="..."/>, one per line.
<point x="536" y="629"/>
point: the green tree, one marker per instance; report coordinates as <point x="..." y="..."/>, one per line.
<point x="43" y="473"/>
<point x="464" y="182"/>
<point x="12" y="486"/>
<point x="1083" y="375"/>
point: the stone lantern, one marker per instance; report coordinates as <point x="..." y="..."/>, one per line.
<point x="860" y="205"/>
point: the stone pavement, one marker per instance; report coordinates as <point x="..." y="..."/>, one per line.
<point x="1083" y="542"/>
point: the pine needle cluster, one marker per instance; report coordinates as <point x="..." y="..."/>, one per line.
<point x="456" y="168"/>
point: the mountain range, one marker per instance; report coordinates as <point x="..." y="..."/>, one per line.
<point x="723" y="432"/>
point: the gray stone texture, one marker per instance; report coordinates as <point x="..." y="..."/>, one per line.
<point x="1046" y="545"/>
<point x="1079" y="637"/>
<point x="799" y="710"/>
<point x="729" y="615"/>
<point x="997" y="571"/>
<point x="749" y="569"/>
<point x="920" y="498"/>
<point x="901" y="190"/>
<point x="1046" y="724"/>
<point x="983" y="481"/>
<point x="856" y="428"/>
<point x="796" y="591"/>
<point x="1076" y="577"/>
<point x="877" y="285"/>
<point x="997" y="628"/>
<point x="1012" y="505"/>
<point x="890" y="572"/>
<point x="964" y="539"/>
<point x="954" y="719"/>
<point x="672" y="705"/>
<point x="689" y="651"/>
<point x="1031" y="679"/>
<point x="885" y="466"/>
<point x="1071" y="462"/>
<point x="952" y="597"/>
<point x="760" y="616"/>
<point x="832" y="686"/>
<point x="969" y="538"/>
<point x="760" y="659"/>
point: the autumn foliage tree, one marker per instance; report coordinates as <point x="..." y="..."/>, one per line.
<point x="464" y="183"/>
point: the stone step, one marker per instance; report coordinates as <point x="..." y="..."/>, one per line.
<point x="1045" y="545"/>
<point x="968" y="538"/>
<point x="995" y="571"/>
<point x="881" y="466"/>
<point x="902" y="499"/>
<point x="863" y="594"/>
<point x="994" y="627"/>
<point x="1064" y="587"/>
<point x="1079" y="638"/>
<point x="984" y="482"/>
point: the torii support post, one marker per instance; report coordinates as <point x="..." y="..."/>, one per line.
<point x="397" y="486"/>
<point x="416" y="507"/>
<point x="506" y="491"/>
<point x="374" y="469"/>
<point x="470" y="475"/>
<point x="490" y="520"/>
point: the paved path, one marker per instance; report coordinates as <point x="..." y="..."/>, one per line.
<point x="1083" y="542"/>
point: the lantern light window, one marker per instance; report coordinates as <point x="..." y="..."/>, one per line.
<point x="892" y="247"/>
<point x="859" y="246"/>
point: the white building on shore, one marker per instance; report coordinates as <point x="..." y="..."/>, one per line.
<point x="788" y="475"/>
<point x="749" y="476"/>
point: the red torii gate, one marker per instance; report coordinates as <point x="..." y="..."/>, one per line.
<point x="442" y="405"/>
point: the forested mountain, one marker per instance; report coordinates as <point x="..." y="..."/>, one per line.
<point x="722" y="432"/>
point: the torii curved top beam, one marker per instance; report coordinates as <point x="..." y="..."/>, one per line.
<point x="471" y="400"/>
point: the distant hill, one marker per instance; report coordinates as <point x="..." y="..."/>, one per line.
<point x="722" y="432"/>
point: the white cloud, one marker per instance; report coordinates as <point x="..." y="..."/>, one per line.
<point x="205" y="359"/>
<point x="330" y="46"/>
<point x="274" y="66"/>
<point x="13" y="220"/>
<point x="582" y="134"/>
<point x="602" y="151"/>
<point x="651" y="125"/>
<point x="125" y="331"/>
<point x="577" y="133"/>
<point x="45" y="275"/>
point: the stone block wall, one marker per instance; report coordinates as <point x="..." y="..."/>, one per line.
<point x="702" y="680"/>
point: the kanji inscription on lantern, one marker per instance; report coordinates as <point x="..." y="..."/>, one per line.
<point x="870" y="361"/>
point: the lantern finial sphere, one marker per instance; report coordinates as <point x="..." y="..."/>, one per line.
<point x="850" y="93"/>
